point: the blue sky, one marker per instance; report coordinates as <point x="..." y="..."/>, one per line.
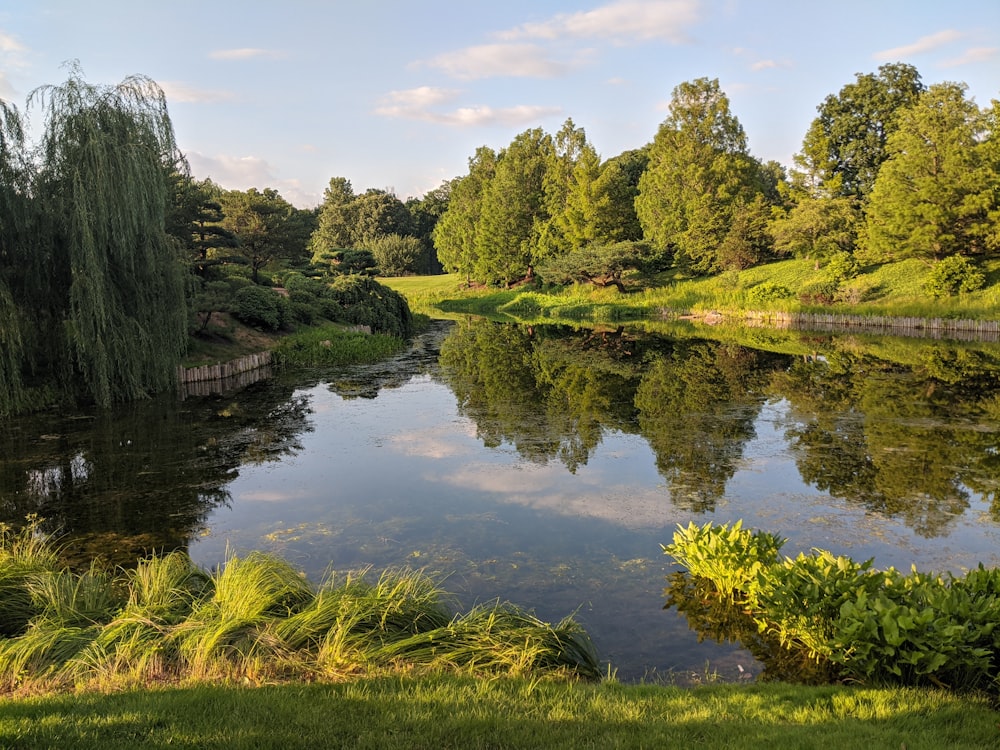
<point x="398" y="94"/>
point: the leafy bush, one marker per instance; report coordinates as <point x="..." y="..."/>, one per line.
<point x="729" y="556"/>
<point x="767" y="291"/>
<point x="953" y="275"/>
<point x="360" y="300"/>
<point x="394" y="254"/>
<point x="864" y="625"/>
<point x="842" y="266"/>
<point x="257" y="306"/>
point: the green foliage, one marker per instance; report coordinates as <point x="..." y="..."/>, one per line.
<point x="24" y="556"/>
<point x="331" y="345"/>
<point x="867" y="626"/>
<point x="255" y="619"/>
<point x="936" y="196"/>
<point x="846" y="144"/>
<point x="97" y="281"/>
<point x="729" y="556"/>
<point x="393" y="254"/>
<point x="698" y="193"/>
<point x="952" y="275"/>
<point x="767" y="291"/>
<point x="841" y="266"/>
<point x="360" y="300"/>
<point x="259" y="306"/>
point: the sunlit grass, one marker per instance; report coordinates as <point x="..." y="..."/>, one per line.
<point x="894" y="289"/>
<point x="256" y="619"/>
<point x="456" y="712"/>
<point x="333" y="345"/>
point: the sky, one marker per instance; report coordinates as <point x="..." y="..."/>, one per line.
<point x="398" y="94"/>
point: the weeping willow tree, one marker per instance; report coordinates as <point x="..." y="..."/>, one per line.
<point x="13" y="222"/>
<point x="101" y="286"/>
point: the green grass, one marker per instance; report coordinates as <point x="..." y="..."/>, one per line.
<point x="333" y="345"/>
<point x="455" y="712"/>
<point x="894" y="289"/>
<point x="255" y="619"/>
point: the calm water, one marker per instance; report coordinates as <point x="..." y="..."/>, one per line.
<point x="546" y="466"/>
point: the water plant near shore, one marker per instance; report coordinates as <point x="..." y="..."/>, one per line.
<point x="256" y="619"/>
<point x="860" y="624"/>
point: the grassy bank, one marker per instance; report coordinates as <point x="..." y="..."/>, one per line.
<point x="894" y="289"/>
<point x="455" y="712"/>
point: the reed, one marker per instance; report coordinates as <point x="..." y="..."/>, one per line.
<point x="255" y="619"/>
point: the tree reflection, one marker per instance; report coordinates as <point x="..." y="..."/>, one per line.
<point x="697" y="408"/>
<point x="909" y="441"/>
<point x="549" y="391"/>
<point x="142" y="478"/>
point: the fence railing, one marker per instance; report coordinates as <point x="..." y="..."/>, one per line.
<point x="971" y="330"/>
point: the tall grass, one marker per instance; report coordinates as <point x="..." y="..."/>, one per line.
<point x="255" y="619"/>
<point x="333" y="345"/>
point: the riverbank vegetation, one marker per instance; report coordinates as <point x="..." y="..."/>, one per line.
<point x="165" y="652"/>
<point x="254" y="620"/>
<point x="849" y="622"/>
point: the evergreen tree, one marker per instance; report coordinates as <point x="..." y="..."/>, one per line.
<point x="513" y="209"/>
<point x="934" y="195"/>
<point x="455" y="233"/>
<point x="700" y="177"/>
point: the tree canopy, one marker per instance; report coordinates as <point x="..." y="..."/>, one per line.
<point x="91" y="283"/>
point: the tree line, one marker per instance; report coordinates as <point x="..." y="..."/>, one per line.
<point x="111" y="253"/>
<point x="889" y="169"/>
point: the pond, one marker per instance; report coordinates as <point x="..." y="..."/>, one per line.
<point x="545" y="465"/>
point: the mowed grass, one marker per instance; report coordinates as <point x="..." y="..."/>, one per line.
<point x="440" y="711"/>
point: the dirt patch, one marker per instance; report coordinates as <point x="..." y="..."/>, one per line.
<point x="225" y="338"/>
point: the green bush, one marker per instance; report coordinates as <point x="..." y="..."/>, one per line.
<point x="360" y="300"/>
<point x="953" y="275"/>
<point x="818" y="293"/>
<point x="767" y="291"/>
<point x="863" y="625"/>
<point x="260" y="307"/>
<point x="841" y="267"/>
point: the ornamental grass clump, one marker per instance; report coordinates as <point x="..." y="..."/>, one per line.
<point x="255" y="619"/>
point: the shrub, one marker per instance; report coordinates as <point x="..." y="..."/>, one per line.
<point x="863" y="625"/>
<point x="819" y="293"/>
<point x="953" y="275"/>
<point x="260" y="307"/>
<point x="767" y="291"/>
<point x="842" y="266"/>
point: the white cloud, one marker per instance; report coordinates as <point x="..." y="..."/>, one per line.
<point x="182" y="92"/>
<point x="972" y="55"/>
<point x="417" y="104"/>
<point x="245" y="53"/>
<point x="923" y="44"/>
<point x="12" y="57"/>
<point x="7" y="92"/>
<point x="245" y="172"/>
<point x="492" y="60"/>
<point x="770" y="64"/>
<point x="10" y="46"/>
<point x="623" y="21"/>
